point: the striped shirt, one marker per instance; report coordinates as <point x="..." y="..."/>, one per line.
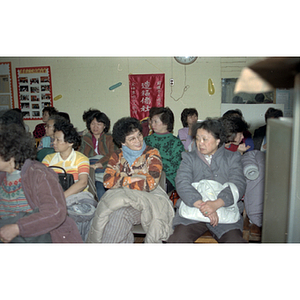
<point x="76" y="164"/>
<point x="12" y="198"/>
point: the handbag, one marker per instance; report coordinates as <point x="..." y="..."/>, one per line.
<point x="65" y="179"/>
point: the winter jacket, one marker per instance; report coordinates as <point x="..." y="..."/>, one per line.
<point x="43" y="191"/>
<point x="226" y="166"/>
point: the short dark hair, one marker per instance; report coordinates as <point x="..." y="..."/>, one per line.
<point x="51" y="110"/>
<point x="233" y="125"/>
<point x="17" y="143"/>
<point x="64" y="115"/>
<point x="12" y="116"/>
<point x="235" y="112"/>
<point x="100" y="117"/>
<point x="213" y="126"/>
<point x="273" y="113"/>
<point x="166" y="116"/>
<point x="123" y="127"/>
<point x="70" y="133"/>
<point x="88" y="113"/>
<point x="187" y="112"/>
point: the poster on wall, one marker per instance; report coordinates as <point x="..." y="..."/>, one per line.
<point x="6" y="90"/>
<point x="34" y="91"/>
<point x="145" y="91"/>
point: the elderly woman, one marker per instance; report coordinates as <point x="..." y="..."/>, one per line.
<point x="169" y="146"/>
<point x="213" y="162"/>
<point x="98" y="146"/>
<point x="40" y="130"/>
<point x="134" y="196"/>
<point x="32" y="203"/>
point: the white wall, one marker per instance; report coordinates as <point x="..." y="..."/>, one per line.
<point x="84" y="82"/>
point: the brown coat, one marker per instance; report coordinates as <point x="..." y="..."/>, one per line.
<point x="106" y="147"/>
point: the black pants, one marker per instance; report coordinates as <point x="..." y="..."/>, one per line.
<point x="190" y="233"/>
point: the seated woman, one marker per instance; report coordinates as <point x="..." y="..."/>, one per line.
<point x="209" y="161"/>
<point x="189" y="117"/>
<point x="40" y="130"/>
<point x="66" y="139"/>
<point x="134" y="196"/>
<point x="48" y="139"/>
<point x="169" y="146"/>
<point x="98" y="146"/>
<point x="235" y="128"/>
<point x="32" y="203"/>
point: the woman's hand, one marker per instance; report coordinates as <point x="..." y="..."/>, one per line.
<point x="242" y="148"/>
<point x="209" y="207"/>
<point x="214" y="219"/>
<point x="198" y="203"/>
<point x="135" y="179"/>
<point x="9" y="232"/>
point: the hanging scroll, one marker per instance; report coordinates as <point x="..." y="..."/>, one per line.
<point x="34" y="91"/>
<point x="145" y="91"/>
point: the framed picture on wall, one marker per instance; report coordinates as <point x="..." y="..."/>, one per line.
<point x="34" y="91"/>
<point x="6" y="90"/>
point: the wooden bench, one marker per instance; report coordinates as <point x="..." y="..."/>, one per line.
<point x="251" y="233"/>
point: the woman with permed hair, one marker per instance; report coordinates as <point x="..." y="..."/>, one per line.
<point x="66" y="140"/>
<point x="213" y="166"/>
<point x="32" y="202"/>
<point x="98" y="146"/>
<point x="169" y="146"/>
<point x="189" y="117"/>
<point x="134" y="197"/>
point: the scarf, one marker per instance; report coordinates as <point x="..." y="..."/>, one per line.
<point x="132" y="155"/>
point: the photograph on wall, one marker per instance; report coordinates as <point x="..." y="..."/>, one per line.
<point x="145" y="91"/>
<point x="6" y="90"/>
<point x="34" y="91"/>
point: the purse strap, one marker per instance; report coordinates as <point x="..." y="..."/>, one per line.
<point x="52" y="167"/>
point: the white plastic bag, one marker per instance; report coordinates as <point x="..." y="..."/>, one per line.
<point x="209" y="189"/>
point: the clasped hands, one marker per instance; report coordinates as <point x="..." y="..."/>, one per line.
<point x="209" y="209"/>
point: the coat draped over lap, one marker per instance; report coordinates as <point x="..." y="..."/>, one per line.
<point x="155" y="206"/>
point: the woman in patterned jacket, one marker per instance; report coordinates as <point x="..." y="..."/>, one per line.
<point x="135" y="166"/>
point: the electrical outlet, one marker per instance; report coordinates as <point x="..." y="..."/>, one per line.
<point x="171" y="82"/>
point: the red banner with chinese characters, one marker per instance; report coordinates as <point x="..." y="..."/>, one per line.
<point x="145" y="91"/>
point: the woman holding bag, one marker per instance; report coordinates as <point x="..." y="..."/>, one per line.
<point x="32" y="203"/>
<point x="210" y="160"/>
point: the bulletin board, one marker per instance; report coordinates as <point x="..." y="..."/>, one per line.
<point x="34" y="91"/>
<point x="6" y="89"/>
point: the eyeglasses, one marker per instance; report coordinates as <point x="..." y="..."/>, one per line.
<point x="48" y="126"/>
<point x="133" y="139"/>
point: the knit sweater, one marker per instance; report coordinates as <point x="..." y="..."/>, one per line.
<point x="170" y="149"/>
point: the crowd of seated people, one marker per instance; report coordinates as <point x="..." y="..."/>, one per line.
<point x="128" y="162"/>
